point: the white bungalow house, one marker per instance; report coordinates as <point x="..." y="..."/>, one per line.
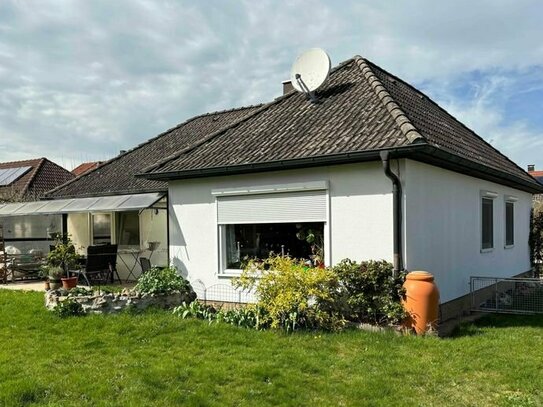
<point x="376" y="170"/>
<point x="376" y="167"/>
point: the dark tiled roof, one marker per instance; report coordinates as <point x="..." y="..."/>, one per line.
<point x="441" y="129"/>
<point x="350" y="118"/>
<point x="85" y="167"/>
<point x="116" y="176"/>
<point x="42" y="176"/>
<point x="362" y="109"/>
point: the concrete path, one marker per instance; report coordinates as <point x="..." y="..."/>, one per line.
<point x="40" y="286"/>
<point x="24" y="286"/>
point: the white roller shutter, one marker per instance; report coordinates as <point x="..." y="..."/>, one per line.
<point x="303" y="206"/>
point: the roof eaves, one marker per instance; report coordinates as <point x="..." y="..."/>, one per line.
<point x="287" y="164"/>
<point x="410" y="132"/>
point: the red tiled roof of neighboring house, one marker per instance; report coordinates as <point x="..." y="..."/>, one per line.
<point x="538" y="175"/>
<point x="85" y="167"/>
<point x="42" y="176"/>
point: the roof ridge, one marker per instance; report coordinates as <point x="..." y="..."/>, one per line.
<point x="106" y="162"/>
<point x="454" y="118"/>
<point x="410" y="132"/>
<point x="35" y="160"/>
<point x="35" y="170"/>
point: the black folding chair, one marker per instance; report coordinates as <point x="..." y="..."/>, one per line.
<point x="101" y="264"/>
<point x="145" y="264"/>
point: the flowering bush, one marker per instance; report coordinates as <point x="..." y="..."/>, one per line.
<point x="291" y="294"/>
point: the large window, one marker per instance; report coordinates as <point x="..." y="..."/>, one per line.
<point x="487" y="226"/>
<point x="249" y="241"/>
<point x="128" y="229"/>
<point x="288" y="219"/>
<point x="509" y="224"/>
<point x="101" y="228"/>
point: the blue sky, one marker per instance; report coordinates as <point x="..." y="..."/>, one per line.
<point x="81" y="80"/>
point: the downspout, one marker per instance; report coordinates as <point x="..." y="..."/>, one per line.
<point x="396" y="212"/>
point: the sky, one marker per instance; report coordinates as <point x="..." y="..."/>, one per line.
<point x="82" y="80"/>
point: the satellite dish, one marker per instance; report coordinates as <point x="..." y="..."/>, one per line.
<point x="310" y="71"/>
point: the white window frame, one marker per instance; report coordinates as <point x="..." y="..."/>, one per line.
<point x="267" y="189"/>
<point x="492" y="197"/>
<point x="508" y="199"/>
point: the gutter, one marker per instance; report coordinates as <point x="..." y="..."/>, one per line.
<point x="419" y="152"/>
<point x="396" y="213"/>
<point x="331" y="159"/>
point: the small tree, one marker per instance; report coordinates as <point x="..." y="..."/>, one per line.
<point x="63" y="254"/>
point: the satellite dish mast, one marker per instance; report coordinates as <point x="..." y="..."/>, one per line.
<point x="310" y="71"/>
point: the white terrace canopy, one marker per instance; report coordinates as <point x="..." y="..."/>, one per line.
<point x="116" y="203"/>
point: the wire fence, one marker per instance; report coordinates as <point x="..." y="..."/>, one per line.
<point x="222" y="294"/>
<point x="507" y="295"/>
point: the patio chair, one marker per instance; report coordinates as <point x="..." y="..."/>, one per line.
<point x="100" y="264"/>
<point x="145" y="264"/>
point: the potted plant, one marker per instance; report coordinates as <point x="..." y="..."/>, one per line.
<point x="55" y="277"/>
<point x="63" y="258"/>
<point x="44" y="273"/>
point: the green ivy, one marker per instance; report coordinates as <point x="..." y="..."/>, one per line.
<point x="536" y="239"/>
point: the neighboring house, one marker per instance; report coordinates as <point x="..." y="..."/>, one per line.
<point x="85" y="167"/>
<point x="538" y="175"/>
<point x="27" y="181"/>
<point x="377" y="168"/>
<point x="109" y="204"/>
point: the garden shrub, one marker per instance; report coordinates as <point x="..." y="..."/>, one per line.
<point x="292" y="295"/>
<point x="368" y="292"/>
<point x="67" y="308"/>
<point x="162" y="281"/>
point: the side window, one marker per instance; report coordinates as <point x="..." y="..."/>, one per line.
<point x="509" y="223"/>
<point x="487" y="223"/>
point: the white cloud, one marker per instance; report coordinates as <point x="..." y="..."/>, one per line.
<point x="103" y="76"/>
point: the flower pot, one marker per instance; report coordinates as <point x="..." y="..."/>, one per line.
<point x="55" y="284"/>
<point x="69" y="282"/>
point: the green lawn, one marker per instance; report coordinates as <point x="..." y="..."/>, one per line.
<point x="158" y="359"/>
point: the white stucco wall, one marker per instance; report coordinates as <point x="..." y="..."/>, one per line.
<point x="360" y="215"/>
<point x="443" y="228"/>
<point x="79" y="231"/>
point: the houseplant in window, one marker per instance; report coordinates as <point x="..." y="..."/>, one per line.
<point x="315" y="238"/>
<point x="63" y="258"/>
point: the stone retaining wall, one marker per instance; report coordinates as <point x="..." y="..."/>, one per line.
<point x="109" y="303"/>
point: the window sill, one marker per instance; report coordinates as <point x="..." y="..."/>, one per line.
<point x="491" y="249"/>
<point x="230" y="273"/>
<point x="509" y="246"/>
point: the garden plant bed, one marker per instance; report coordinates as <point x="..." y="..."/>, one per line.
<point x="156" y="358"/>
<point x="96" y="302"/>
